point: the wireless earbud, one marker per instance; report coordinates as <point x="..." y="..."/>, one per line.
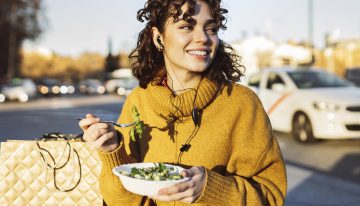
<point x="159" y="41"/>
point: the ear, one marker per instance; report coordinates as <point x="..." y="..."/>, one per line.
<point x="155" y="35"/>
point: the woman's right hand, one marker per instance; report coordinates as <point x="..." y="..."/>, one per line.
<point x="102" y="136"/>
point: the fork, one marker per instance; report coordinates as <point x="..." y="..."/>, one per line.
<point x="115" y="123"/>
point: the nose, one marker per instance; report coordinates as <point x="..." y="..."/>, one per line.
<point x="201" y="36"/>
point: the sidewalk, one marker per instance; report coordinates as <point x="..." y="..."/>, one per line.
<point x="308" y="188"/>
<point x="60" y="102"/>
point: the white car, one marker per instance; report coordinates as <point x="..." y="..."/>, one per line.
<point x="2" y="97"/>
<point x="310" y="103"/>
<point x="19" y="90"/>
<point x="121" y="86"/>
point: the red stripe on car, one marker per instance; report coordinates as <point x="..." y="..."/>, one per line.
<point x="278" y="102"/>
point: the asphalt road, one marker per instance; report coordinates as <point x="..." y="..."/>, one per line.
<point x="27" y="121"/>
<point x="336" y="159"/>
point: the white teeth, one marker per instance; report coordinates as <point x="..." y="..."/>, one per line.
<point x="196" y="52"/>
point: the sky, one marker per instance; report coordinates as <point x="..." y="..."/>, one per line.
<point x="75" y="26"/>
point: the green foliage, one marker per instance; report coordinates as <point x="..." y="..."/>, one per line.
<point x="138" y="128"/>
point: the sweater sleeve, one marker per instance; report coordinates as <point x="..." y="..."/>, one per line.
<point x="256" y="171"/>
<point x="111" y="188"/>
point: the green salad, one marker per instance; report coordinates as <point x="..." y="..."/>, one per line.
<point x="157" y="173"/>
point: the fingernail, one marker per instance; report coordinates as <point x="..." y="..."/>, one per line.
<point x="97" y="119"/>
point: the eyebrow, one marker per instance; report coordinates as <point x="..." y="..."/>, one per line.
<point x="193" y="21"/>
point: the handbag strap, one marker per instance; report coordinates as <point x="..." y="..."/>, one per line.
<point x="54" y="167"/>
<point x="78" y="181"/>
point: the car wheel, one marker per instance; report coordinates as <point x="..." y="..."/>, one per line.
<point x="302" y="129"/>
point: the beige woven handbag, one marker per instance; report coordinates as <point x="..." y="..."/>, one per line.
<point x="54" y="172"/>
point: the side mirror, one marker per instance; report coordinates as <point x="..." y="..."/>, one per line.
<point x="278" y="87"/>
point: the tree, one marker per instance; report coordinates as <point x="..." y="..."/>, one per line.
<point x="86" y="65"/>
<point x="19" y="20"/>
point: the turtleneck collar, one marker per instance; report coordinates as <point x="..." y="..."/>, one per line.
<point x="164" y="102"/>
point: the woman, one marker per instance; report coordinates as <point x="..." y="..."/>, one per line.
<point x="194" y="115"/>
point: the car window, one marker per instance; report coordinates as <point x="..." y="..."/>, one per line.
<point x="316" y="79"/>
<point x="254" y="80"/>
<point x="274" y="78"/>
<point x="15" y="82"/>
<point x="131" y="82"/>
<point x="353" y="75"/>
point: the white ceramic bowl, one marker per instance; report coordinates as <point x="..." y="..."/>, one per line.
<point x="144" y="187"/>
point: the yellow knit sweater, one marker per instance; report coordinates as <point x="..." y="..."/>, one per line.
<point x="234" y="143"/>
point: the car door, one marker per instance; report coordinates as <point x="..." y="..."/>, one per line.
<point x="254" y="82"/>
<point x="274" y="88"/>
<point x="273" y="96"/>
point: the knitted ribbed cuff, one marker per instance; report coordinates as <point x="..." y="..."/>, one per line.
<point x="115" y="158"/>
<point x="218" y="189"/>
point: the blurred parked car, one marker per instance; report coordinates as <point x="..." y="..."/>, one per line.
<point x="19" y="90"/>
<point x="91" y="86"/>
<point x="67" y="88"/>
<point x="310" y="103"/>
<point x="2" y="96"/>
<point x="121" y="86"/>
<point x="353" y="75"/>
<point x="49" y="87"/>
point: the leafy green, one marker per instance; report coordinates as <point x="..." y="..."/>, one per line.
<point x="157" y="173"/>
<point x="134" y="171"/>
<point x="138" y="127"/>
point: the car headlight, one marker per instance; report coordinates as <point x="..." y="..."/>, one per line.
<point x="23" y="98"/>
<point x="2" y="98"/>
<point x="55" y="89"/>
<point x="326" y="106"/>
<point x="63" y="89"/>
<point x="101" y="89"/>
<point x="121" y="91"/>
<point x="71" y="89"/>
<point x="44" y="89"/>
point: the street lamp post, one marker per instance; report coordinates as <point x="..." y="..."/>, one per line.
<point x="310" y="23"/>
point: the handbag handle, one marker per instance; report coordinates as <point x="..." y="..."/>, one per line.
<point x="60" y="136"/>
<point x="52" y="158"/>
<point x="55" y="168"/>
<point x="78" y="181"/>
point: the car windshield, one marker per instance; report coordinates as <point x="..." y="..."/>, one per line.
<point x="50" y="82"/>
<point x="131" y="82"/>
<point x="316" y="79"/>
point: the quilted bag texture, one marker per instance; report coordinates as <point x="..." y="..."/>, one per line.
<point x="49" y="173"/>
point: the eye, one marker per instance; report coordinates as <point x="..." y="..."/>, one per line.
<point x="212" y="30"/>
<point x="187" y="27"/>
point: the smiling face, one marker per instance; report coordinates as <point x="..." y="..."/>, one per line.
<point x="190" y="46"/>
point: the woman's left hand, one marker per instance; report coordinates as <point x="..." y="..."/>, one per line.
<point x="188" y="191"/>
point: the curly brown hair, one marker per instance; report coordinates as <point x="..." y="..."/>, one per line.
<point x="148" y="63"/>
